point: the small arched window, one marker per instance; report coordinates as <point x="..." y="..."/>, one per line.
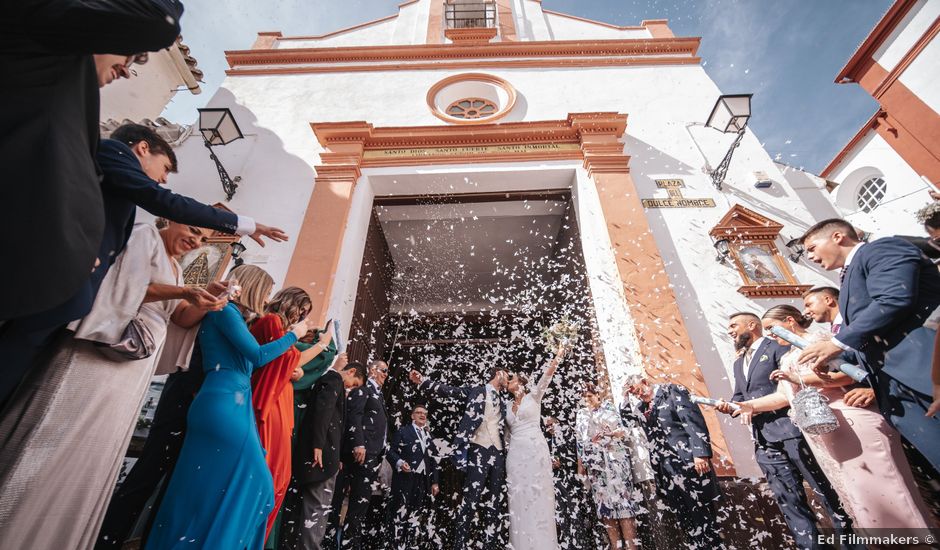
<point x="870" y="193"/>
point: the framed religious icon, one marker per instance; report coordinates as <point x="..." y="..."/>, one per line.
<point x="752" y="249"/>
<point x="758" y="263"/>
<point x="207" y="263"/>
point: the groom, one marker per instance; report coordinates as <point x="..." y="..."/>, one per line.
<point x="478" y="451"/>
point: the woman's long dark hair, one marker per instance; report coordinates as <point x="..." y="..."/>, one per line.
<point x="781" y="312"/>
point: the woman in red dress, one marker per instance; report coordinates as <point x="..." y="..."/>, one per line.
<point x="272" y="394"/>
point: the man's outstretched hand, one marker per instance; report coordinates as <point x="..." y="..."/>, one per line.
<point x="415" y="377"/>
<point x="819" y="354"/>
<point x="273" y="233"/>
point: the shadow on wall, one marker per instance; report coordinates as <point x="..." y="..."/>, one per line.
<point x="646" y="160"/>
<point x="519" y="110"/>
<point x="274" y="188"/>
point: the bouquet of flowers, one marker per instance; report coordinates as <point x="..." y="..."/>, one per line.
<point x="562" y="333"/>
<point x="928" y="212"/>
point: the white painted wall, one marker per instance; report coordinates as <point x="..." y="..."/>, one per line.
<point x="922" y="76"/>
<point x="811" y="189"/>
<point x="907" y="33"/>
<point x="565" y="28"/>
<point x="378" y="34"/>
<point x="144" y="95"/>
<point x="906" y="192"/>
<point x="277" y="159"/>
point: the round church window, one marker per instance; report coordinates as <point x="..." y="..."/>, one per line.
<point x="870" y="194"/>
<point x="471" y="98"/>
<point x="473" y="107"/>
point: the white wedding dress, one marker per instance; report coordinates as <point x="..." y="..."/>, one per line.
<point x="529" y="480"/>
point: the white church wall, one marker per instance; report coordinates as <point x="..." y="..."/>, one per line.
<point x="920" y="77"/>
<point x="661" y="102"/>
<point x="566" y="28"/>
<point x="531" y="22"/>
<point x="378" y="34"/>
<point x="905" y="191"/>
<point x="346" y="279"/>
<point x="906" y="34"/>
<point x="145" y="95"/>
<point x="811" y="189"/>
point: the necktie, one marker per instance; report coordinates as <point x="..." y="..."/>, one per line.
<point x="835" y="328"/>
<point x="842" y="274"/>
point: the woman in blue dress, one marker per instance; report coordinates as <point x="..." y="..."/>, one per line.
<point x="221" y="491"/>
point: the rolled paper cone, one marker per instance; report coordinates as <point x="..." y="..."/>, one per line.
<point x="854" y="372"/>
<point x="340" y="348"/>
<point x="699" y="400"/>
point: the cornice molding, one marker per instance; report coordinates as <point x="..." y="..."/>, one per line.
<point x="774" y="291"/>
<point x="449" y="52"/>
<point x="480" y="35"/>
<point x="593" y="137"/>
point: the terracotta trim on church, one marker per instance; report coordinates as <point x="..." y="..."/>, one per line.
<point x="479" y="35"/>
<point x="658" y="28"/>
<point x="472" y="65"/>
<point x="478" y="77"/>
<point x="436" y="22"/>
<point x="661" y="331"/>
<point x="505" y="21"/>
<point x="593" y="138"/>
<point x="918" y="146"/>
<point x="743" y="227"/>
<point x="640" y="47"/>
<point x="866" y="50"/>
<point x="908" y="58"/>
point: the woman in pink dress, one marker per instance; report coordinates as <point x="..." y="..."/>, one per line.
<point x="862" y="458"/>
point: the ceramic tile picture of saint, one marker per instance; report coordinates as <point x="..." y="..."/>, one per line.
<point x="205" y="264"/>
<point x="758" y="264"/>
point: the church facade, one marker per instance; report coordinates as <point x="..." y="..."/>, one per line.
<point x="460" y="163"/>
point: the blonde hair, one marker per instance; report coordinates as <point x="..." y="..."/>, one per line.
<point x="256" y="287"/>
<point x="289" y="304"/>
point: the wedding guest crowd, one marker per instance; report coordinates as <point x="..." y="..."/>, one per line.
<point x="267" y="434"/>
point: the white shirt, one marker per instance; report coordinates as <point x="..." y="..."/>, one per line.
<point x="749" y="355"/>
<point x="246" y="226"/>
<point x="423" y="439"/>
<point x="848" y="261"/>
<point x="487" y="434"/>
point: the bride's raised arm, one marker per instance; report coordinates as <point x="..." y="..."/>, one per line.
<point x="546" y="377"/>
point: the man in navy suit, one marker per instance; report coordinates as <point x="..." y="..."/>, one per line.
<point x="889" y="289"/>
<point x="412" y="455"/>
<point x="781" y="451"/>
<point x="364" y="443"/>
<point x="135" y="163"/>
<point x="478" y="452"/>
<point x="680" y="453"/>
<point x="316" y="456"/>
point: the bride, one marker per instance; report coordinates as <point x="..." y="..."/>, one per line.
<point x="529" y="480"/>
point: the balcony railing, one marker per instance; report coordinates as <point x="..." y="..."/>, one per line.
<point x="470" y="15"/>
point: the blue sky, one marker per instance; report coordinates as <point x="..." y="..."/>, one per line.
<point x="786" y="52"/>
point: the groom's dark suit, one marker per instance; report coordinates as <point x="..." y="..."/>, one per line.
<point x="781" y="451"/>
<point x="484" y="465"/>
